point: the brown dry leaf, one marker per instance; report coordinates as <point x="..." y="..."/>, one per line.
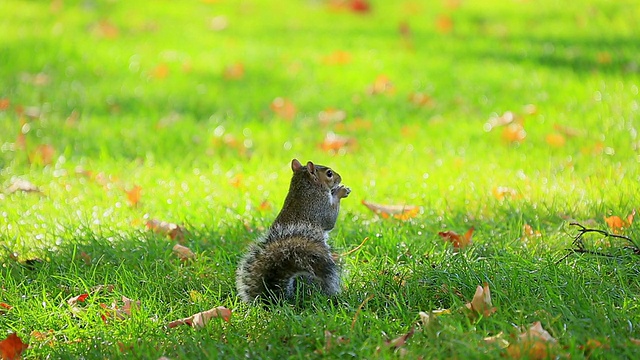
<point x="43" y="154"/>
<point x="133" y="195"/>
<point x="22" y="185"/>
<point x="593" y="344"/>
<point x="234" y="71"/>
<point x="283" y="108"/>
<point x="420" y="99"/>
<point x="382" y="85"/>
<point x="12" y="347"/>
<point x="335" y="143"/>
<point x="618" y="225"/>
<point x="201" y="319"/>
<point x="400" y="340"/>
<point x="4" y="104"/>
<point x="175" y="232"/>
<point x="458" y="241"/>
<point x="337" y="58"/>
<point x="401" y="212"/>
<point x="536" y="343"/>
<point x="502" y="192"/>
<point x="331" y="116"/>
<point x="529" y="233"/>
<point x="183" y="252"/>
<point x="514" y="133"/>
<point x="481" y="303"/>
<point x="106" y="29"/>
<point x="119" y="313"/>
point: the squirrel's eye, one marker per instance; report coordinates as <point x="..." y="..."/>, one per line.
<point x="329" y="174"/>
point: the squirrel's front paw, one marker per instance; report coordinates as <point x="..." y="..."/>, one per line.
<point x="343" y="192"/>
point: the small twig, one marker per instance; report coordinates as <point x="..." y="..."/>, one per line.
<point x="355" y="248"/>
<point x="579" y="244"/>
<point x="355" y="317"/>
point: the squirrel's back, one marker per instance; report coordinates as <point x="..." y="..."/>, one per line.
<point x="288" y="251"/>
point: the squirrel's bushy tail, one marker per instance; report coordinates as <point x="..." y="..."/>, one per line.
<point x="271" y="266"/>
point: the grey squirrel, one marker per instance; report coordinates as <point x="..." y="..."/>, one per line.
<point x="296" y="243"/>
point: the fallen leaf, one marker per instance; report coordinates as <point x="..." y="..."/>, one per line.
<point x="536" y="343"/>
<point x="133" y="195"/>
<point x="119" y="313"/>
<point x="401" y="212"/>
<point x="201" y="319"/>
<point x="555" y="140"/>
<point x="174" y="231"/>
<point x="12" y="347"/>
<point x="337" y="58"/>
<point x="635" y="341"/>
<point x="234" y="71"/>
<point x="161" y="71"/>
<point x="4" y="104"/>
<point x="502" y="192"/>
<point x="283" y="108"/>
<point x="400" y="340"/>
<point x="481" y="303"/>
<point x="80" y="298"/>
<point x="5" y="306"/>
<point x="265" y="205"/>
<point x="42" y="336"/>
<point x="593" y="344"/>
<point x="514" y="133"/>
<point x="335" y="143"/>
<point x="86" y="258"/>
<point x="331" y="116"/>
<point x="360" y="6"/>
<point x="22" y="185"/>
<point x="183" y="252"/>
<point x="458" y="241"/>
<point x="444" y="24"/>
<point x="420" y="99"/>
<point x="42" y="155"/>
<point x="237" y="181"/>
<point x="529" y="233"/>
<point x="381" y="85"/>
<point x="617" y="224"/>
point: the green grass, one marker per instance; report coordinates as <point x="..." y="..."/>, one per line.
<point x="105" y="107"/>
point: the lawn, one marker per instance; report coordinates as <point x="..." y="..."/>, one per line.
<point x="511" y="118"/>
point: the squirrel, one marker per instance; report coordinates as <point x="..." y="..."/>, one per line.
<point x="296" y="243"/>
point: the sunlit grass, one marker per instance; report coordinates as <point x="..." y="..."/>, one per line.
<point x="130" y="94"/>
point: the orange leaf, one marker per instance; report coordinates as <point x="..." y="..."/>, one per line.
<point x="458" y="241"/>
<point x="536" y="343"/>
<point x="183" y="252"/>
<point x="336" y="143"/>
<point x="337" y="58"/>
<point x="360" y="6"/>
<point x="514" y="132"/>
<point x="265" y="205"/>
<point x="76" y="299"/>
<point x="12" y="347"/>
<point x="555" y="140"/>
<point x="174" y="231"/>
<point x="502" y="192"/>
<point x="420" y="99"/>
<point x="617" y="225"/>
<point x="5" y="306"/>
<point x="481" y="303"/>
<point x="528" y="232"/>
<point x="283" y="108"/>
<point x="234" y="71"/>
<point x="4" y="104"/>
<point x="444" y="24"/>
<point x="381" y="85"/>
<point x="401" y="212"/>
<point x="160" y="72"/>
<point x="43" y="154"/>
<point x="237" y="181"/>
<point x="133" y="195"/>
<point x="201" y="319"/>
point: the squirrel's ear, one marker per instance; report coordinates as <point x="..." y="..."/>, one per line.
<point x="311" y="167"/>
<point x="295" y="165"/>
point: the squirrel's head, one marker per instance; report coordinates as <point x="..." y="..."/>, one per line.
<point x="317" y="173"/>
